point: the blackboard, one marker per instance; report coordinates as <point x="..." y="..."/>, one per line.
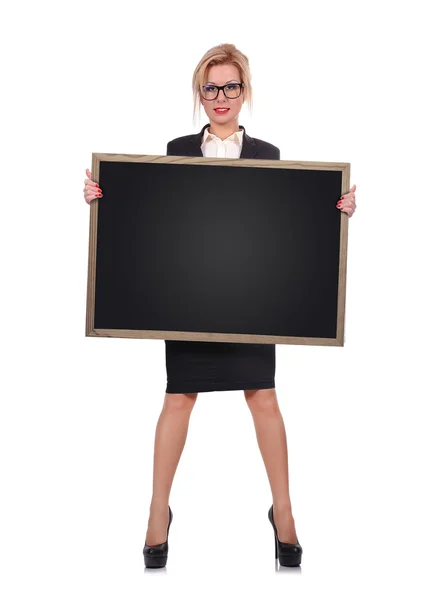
<point x="209" y="249"/>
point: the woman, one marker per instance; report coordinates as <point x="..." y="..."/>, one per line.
<point x="221" y="83"/>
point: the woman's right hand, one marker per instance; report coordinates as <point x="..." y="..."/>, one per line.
<point x="91" y="189"/>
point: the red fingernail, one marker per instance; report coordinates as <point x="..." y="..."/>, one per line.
<point x="342" y="197"/>
<point x="97" y="185"/>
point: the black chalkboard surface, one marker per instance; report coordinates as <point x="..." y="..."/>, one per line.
<point x="197" y="248"/>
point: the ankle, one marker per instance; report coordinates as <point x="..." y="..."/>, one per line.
<point x="283" y="506"/>
<point x="159" y="504"/>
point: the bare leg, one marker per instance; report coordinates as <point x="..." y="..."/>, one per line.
<point x="171" y="432"/>
<point x="271" y="437"/>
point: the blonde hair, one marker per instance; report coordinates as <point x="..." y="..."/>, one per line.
<point x="221" y="55"/>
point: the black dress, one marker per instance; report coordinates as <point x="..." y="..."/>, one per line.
<point x="219" y="366"/>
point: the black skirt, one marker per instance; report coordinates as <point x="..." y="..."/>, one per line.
<point x="218" y="366"/>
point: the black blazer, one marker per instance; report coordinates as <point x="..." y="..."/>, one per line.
<point x="190" y="145"/>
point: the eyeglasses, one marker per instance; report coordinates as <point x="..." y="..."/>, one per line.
<point x="230" y="90"/>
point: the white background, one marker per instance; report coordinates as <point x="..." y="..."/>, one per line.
<point x="333" y="81"/>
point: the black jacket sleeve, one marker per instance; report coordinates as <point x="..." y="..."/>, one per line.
<point x="172" y="149"/>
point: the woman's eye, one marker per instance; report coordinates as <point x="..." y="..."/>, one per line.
<point x="209" y="88"/>
<point x="233" y="86"/>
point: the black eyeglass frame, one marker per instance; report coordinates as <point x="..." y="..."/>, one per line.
<point x="222" y="87"/>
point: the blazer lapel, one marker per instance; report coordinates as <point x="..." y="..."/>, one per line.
<point x="248" y="149"/>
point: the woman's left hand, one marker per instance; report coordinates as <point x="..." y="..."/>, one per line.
<point x="347" y="203"/>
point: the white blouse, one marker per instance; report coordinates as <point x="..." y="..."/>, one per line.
<point x="214" y="147"/>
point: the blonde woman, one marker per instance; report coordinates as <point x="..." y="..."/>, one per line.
<point x="221" y="84"/>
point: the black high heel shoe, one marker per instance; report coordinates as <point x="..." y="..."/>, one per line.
<point x="156" y="556"/>
<point x="289" y="555"/>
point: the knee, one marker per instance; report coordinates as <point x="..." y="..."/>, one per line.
<point x="179" y="401"/>
<point x="262" y="400"/>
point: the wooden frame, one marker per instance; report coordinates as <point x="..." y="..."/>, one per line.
<point x="90" y="329"/>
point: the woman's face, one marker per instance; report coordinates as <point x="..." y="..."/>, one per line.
<point x="221" y="75"/>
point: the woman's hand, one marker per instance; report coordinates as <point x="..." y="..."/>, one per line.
<point x="91" y="189"/>
<point x="347" y="203"/>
